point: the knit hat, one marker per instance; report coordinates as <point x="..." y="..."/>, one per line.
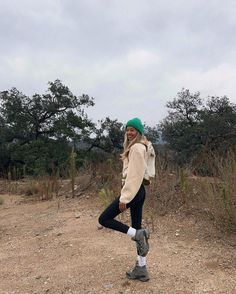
<point x="137" y="124"/>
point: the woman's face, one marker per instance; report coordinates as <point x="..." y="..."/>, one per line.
<point x="131" y="133"/>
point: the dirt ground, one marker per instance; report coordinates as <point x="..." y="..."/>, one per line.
<point x="56" y="247"/>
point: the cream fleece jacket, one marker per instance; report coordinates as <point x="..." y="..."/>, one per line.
<point x="133" y="172"/>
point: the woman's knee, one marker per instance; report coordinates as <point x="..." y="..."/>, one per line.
<point x="102" y="220"/>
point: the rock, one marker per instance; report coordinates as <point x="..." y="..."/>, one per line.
<point x="108" y="286"/>
<point x="100" y="227"/>
<point x="38" y="277"/>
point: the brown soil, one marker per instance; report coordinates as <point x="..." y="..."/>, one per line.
<point x="56" y="247"/>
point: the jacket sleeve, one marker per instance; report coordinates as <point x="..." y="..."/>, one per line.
<point x="135" y="173"/>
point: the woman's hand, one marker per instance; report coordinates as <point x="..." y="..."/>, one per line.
<point x="122" y="206"/>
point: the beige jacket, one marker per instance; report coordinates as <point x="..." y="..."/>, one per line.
<point x="133" y="172"/>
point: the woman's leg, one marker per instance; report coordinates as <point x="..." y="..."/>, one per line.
<point x="136" y="208"/>
<point x="107" y="220"/>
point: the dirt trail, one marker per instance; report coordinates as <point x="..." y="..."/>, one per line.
<point x="56" y="247"/>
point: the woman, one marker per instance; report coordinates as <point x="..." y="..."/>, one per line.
<point x="132" y="196"/>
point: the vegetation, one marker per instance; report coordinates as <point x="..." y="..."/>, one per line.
<point x="34" y="132"/>
<point x="108" y="136"/>
<point x="48" y="137"/>
<point x="195" y="131"/>
<point x="38" y="132"/>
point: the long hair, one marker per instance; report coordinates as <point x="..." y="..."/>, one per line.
<point x="127" y="144"/>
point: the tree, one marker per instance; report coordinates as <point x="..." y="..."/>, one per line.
<point x="152" y="133"/>
<point x="185" y="108"/>
<point x="108" y="136"/>
<point x="218" y="124"/>
<point x="30" y="126"/>
<point x="192" y="128"/>
<point x="57" y="113"/>
<point x="180" y="128"/>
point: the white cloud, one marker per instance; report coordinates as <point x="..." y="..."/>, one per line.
<point x="141" y="58"/>
<point x="18" y="64"/>
<point x="216" y="81"/>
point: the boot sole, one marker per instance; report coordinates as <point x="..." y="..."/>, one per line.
<point x="137" y="278"/>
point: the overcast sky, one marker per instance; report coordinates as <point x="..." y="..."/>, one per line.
<point x="132" y="56"/>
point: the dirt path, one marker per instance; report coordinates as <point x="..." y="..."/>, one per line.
<point x="51" y="247"/>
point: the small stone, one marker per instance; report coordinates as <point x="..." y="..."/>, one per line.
<point x="77" y="216"/>
<point x="100" y="227"/>
<point x="108" y="286"/>
<point x="38" y="277"/>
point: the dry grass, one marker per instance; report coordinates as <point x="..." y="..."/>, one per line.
<point x="218" y="193"/>
<point x="176" y="189"/>
<point x="44" y="188"/>
<point x="173" y="190"/>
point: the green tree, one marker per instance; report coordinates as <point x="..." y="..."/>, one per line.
<point x="31" y="127"/>
<point x="218" y="124"/>
<point x="180" y="128"/>
<point x="192" y="128"/>
<point x="152" y="133"/>
<point x="108" y="136"/>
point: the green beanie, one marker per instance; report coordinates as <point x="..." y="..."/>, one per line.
<point x="137" y="124"/>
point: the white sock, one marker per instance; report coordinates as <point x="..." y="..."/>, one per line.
<point x="131" y="232"/>
<point x="141" y="260"/>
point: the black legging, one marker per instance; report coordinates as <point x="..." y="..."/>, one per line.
<point x="106" y="219"/>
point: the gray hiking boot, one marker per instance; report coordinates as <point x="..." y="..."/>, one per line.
<point x="138" y="273"/>
<point x="141" y="238"/>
